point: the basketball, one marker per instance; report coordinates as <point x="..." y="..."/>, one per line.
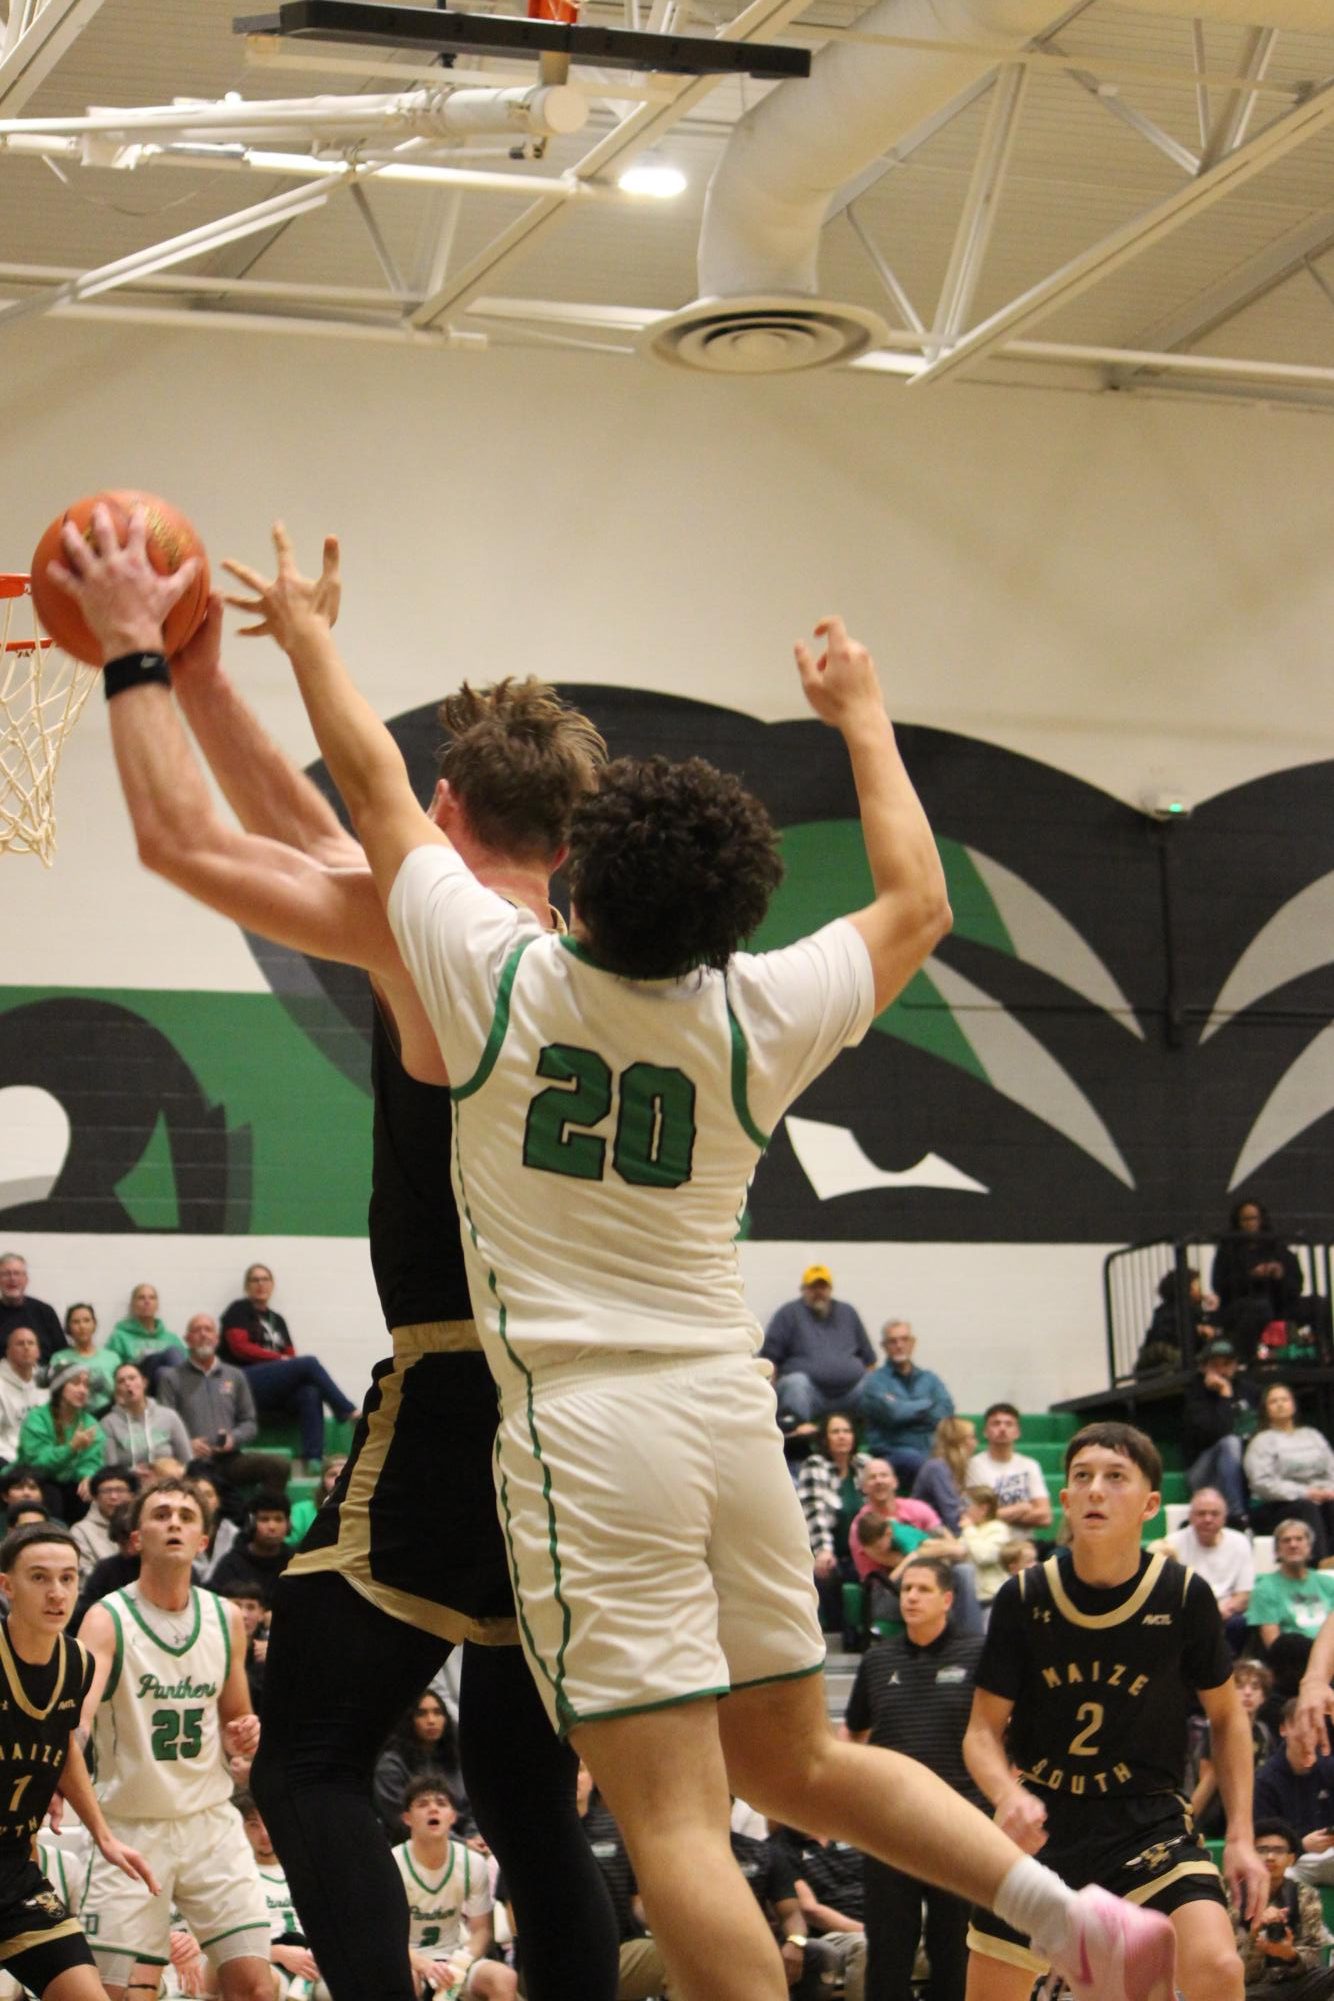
<point x="171" y="538"/>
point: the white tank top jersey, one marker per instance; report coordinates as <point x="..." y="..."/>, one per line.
<point x="278" y="1901"/>
<point x="605" y="1129"/>
<point x="440" y="1903"/>
<point x="158" y="1737"/>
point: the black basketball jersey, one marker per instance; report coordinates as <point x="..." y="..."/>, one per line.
<point x="39" y="1707"/>
<point x="416" y="1252"/>
<point x="1101" y="1679"/>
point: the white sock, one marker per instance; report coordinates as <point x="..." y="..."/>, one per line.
<point x="1036" y="1902"/>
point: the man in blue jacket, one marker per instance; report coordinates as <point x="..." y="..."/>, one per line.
<point x="820" y="1352"/>
<point x="900" y="1405"/>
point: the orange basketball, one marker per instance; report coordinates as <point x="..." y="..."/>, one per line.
<point x="171" y="538"/>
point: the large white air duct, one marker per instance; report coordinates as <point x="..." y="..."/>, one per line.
<point x="758" y="258"/>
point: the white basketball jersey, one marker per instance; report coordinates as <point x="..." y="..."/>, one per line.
<point x="278" y="1900"/>
<point x="440" y="1904"/>
<point x="158" y="1737"/>
<point x="606" y="1129"/>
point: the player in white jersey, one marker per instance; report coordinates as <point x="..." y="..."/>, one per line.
<point x="167" y="1705"/>
<point x="296" y="1977"/>
<point x="448" y="1890"/>
<point x="639" y="1466"/>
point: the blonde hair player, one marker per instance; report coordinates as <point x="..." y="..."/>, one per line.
<point x="167" y="1705"/>
<point x="612" y="1094"/>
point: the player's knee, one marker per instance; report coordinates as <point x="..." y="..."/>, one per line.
<point x="494" y="1982"/>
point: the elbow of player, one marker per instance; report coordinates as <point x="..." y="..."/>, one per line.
<point x="938" y="919"/>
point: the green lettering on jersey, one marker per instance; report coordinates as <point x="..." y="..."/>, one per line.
<point x="177" y="1733"/>
<point x="655" y="1120"/>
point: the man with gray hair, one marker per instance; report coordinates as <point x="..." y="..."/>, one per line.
<point x="214" y="1402"/>
<point x="18" y="1308"/>
<point x="1221" y="1555"/>
<point x="20" y="1390"/>
<point x="900" y="1405"/>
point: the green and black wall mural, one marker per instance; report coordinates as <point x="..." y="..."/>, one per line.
<point x="1129" y="1024"/>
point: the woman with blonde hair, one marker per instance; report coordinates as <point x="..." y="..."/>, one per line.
<point x="941" y="1482"/>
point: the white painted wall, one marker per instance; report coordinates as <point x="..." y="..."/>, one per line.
<point x="1138" y="592"/>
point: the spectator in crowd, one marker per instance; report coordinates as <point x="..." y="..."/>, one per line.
<point x="213" y="1401"/>
<point x="1020" y="1553"/>
<point x="1290" y="1469"/>
<point x="1020" y="1488"/>
<point x="1283" y="1953"/>
<point x="827" y="1877"/>
<point x="642" y="1973"/>
<point x="1221" y="1555"/>
<point x="1162" y="1344"/>
<point x="62" y="1441"/>
<point x="1295" y="1782"/>
<point x="943" y="1479"/>
<point x="141" y="1336"/>
<point x="255" y="1338"/>
<point x="140" y="1432"/>
<point x="829" y="1484"/>
<point x="226" y="1514"/>
<point x="109" y="1488"/>
<point x="425" y="1741"/>
<point x="1220" y="1410"/>
<point x="448" y="1892"/>
<point x="914" y="1695"/>
<point x="19" y="1483"/>
<point x="251" y="1600"/>
<point x="81" y="1346"/>
<point x="985" y="1536"/>
<point x="18" y="1308"/>
<point x="260" y="1556"/>
<point x="305" y="1511"/>
<point x="914" y="1530"/>
<point x="294" y="1966"/>
<point x="1288" y="1605"/>
<point x="20" y="1390"/>
<point x="24" y="1512"/>
<point x="1254" y="1686"/>
<point x="900" y="1404"/>
<point x="1258" y="1280"/>
<point x="819" y="1350"/>
<point x="112" y="1572"/>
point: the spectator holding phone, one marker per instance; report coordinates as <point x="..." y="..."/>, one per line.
<point x="214" y="1402"/>
<point x="1284" y="1949"/>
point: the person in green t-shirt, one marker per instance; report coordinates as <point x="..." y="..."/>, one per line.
<point x="141" y="1337"/>
<point x="1294" y="1598"/>
<point x="81" y="1347"/>
<point x="304" y="1512"/>
<point x="61" y="1440"/>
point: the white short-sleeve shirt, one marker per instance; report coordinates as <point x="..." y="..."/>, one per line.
<point x="1226" y="1566"/>
<point x="1018" y="1478"/>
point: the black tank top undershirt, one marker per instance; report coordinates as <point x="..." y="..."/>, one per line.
<point x="416" y="1254"/>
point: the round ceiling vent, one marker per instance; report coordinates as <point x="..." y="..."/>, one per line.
<point x="762" y="336"/>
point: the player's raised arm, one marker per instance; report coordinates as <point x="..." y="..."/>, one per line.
<point x="363" y="760"/>
<point x="911" y="912"/>
<point x="264" y="884"/>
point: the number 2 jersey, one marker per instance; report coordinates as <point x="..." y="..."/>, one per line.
<point x="158" y="1738"/>
<point x="1101" y="1679"/>
<point x="606" y="1129"/>
<point x="39" y="1707"/>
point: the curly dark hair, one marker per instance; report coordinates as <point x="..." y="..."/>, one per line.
<point x="671" y="866"/>
<point x="518" y="759"/>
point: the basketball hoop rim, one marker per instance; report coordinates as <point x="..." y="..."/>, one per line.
<point x="15" y="584"/>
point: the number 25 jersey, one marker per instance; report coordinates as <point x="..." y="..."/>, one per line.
<point x="1101" y="1678"/>
<point x="158" y="1737"/>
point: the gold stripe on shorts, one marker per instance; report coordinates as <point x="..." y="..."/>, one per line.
<point x="10" y="1948"/>
<point x="1143" y="1891"/>
<point x="1008" y="1950"/>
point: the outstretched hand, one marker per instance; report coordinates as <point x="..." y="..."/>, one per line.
<point x="124" y="600"/>
<point x="841" y="684"/>
<point x="130" y="1862"/>
<point x="281" y="606"/>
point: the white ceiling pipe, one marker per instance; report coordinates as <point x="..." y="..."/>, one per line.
<point x="541" y="111"/>
<point x="788" y="156"/>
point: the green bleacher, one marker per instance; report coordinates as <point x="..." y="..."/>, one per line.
<point x="280" y="1436"/>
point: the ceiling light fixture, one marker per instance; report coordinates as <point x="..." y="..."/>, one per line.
<point x="651" y="175"/>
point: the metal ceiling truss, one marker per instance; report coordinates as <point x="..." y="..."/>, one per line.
<point x="429" y="136"/>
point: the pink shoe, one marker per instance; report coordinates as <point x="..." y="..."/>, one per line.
<point x="1120" y="1951"/>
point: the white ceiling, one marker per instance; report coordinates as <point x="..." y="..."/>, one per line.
<point x="1250" y="278"/>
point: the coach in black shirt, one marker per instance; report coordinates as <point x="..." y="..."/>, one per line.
<point x="914" y="1695"/>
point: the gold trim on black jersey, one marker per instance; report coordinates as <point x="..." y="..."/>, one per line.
<point x="15" y="1679"/>
<point x="1134" y="1604"/>
<point x="10" y="1948"/>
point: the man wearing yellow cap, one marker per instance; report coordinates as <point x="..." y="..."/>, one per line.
<point x="819" y="1350"/>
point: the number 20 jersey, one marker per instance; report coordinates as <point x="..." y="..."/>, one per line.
<point x="1101" y="1679"/>
<point x="158" y="1737"/>
<point x="606" y="1129"/>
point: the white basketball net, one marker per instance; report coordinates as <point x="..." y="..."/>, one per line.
<point x="42" y="691"/>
